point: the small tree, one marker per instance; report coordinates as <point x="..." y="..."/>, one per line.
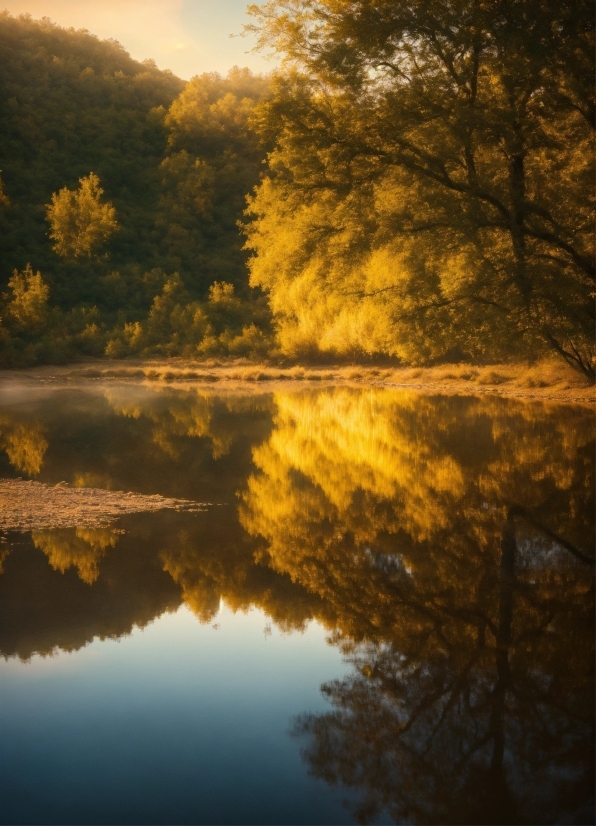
<point x="80" y="223"/>
<point x="29" y="303"/>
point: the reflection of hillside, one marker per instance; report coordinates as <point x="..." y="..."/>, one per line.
<point x="177" y="415"/>
<point x="136" y="438"/>
<point x="102" y="584"/>
<point x="208" y="558"/>
<point x="42" y="609"/>
<point x="216" y="561"/>
<point x="426" y="528"/>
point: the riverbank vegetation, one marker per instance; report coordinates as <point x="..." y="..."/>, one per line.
<point x="412" y="186"/>
<point x="546" y="380"/>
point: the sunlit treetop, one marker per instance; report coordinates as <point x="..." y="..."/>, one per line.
<point x="80" y="222"/>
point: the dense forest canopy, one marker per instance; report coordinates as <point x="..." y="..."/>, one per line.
<point x="71" y="105"/>
<point x="418" y="179"/>
<point x="172" y="161"/>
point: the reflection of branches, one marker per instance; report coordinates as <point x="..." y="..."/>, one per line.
<point x="459" y="687"/>
<point x="518" y="511"/>
<point x="393" y="514"/>
<point x="444" y="720"/>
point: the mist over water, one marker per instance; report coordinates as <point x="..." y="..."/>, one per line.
<point x="385" y="614"/>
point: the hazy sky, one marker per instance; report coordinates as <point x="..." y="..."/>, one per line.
<point x="186" y="36"/>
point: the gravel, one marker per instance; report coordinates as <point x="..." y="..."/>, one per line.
<point x="26" y="505"/>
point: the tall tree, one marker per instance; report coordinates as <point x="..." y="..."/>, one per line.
<point x="438" y="156"/>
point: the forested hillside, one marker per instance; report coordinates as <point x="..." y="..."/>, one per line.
<point x="72" y="105"/>
<point x="172" y="161"/>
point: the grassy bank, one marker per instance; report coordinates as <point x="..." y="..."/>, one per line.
<point x="548" y="380"/>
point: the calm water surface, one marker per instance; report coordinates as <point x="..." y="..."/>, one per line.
<point x="386" y="613"/>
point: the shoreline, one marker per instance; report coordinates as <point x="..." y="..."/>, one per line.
<point x="545" y="381"/>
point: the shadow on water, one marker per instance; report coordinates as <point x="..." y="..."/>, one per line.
<point x="445" y="543"/>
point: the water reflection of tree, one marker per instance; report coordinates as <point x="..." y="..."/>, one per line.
<point x="24" y="443"/>
<point x="390" y="518"/>
<point x="214" y="561"/>
<point x="187" y="443"/>
<point x="137" y="438"/>
<point x="429" y="527"/>
<point x="471" y="719"/>
<point x="82" y="548"/>
<point x="43" y="608"/>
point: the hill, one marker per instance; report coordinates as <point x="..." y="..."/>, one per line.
<point x="175" y="162"/>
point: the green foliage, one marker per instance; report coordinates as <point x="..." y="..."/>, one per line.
<point x="71" y="103"/>
<point x="79" y="222"/>
<point x="176" y="161"/>
<point x="213" y="161"/>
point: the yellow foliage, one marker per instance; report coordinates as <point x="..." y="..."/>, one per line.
<point x="25" y="445"/>
<point x="419" y="203"/>
<point x="79" y="222"/>
<point x="200" y="592"/>
<point x="29" y="302"/>
<point x="221" y="292"/>
<point x="175" y="417"/>
<point x="82" y="548"/>
<point x="351" y="482"/>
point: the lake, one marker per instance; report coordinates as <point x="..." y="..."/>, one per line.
<point x="384" y="612"/>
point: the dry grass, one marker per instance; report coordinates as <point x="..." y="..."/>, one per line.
<point x="494" y="377"/>
<point x="546" y="379"/>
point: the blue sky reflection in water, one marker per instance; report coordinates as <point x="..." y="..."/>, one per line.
<point x="177" y="723"/>
<point x="388" y="605"/>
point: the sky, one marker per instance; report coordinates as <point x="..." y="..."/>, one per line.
<point x="186" y="36"/>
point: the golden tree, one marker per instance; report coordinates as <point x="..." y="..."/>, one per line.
<point x="80" y="223"/>
<point x="29" y="302"/>
<point x="430" y="190"/>
<point x="25" y="444"/>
